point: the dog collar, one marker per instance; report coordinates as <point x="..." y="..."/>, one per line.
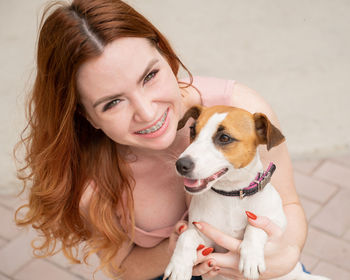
<point x="261" y="180"/>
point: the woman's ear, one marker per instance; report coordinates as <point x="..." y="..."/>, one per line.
<point x="266" y="132"/>
<point x="193" y="112"/>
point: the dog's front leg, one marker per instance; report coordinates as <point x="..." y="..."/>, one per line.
<point x="252" y="261"/>
<point x="184" y="256"/>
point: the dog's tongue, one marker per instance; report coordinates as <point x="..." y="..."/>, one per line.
<point x="190" y="183"/>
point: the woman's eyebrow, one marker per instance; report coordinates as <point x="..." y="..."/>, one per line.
<point x="115" y="96"/>
<point x="148" y="68"/>
<point x="106" y="98"/>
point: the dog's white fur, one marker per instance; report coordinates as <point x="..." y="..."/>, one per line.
<point x="227" y="213"/>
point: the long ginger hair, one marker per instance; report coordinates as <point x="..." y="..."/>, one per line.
<point x="63" y="152"/>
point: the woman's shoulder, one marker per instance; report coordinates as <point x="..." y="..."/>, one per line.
<point x="212" y="90"/>
<point x="219" y="91"/>
<point x="213" y="85"/>
<point x="248" y="99"/>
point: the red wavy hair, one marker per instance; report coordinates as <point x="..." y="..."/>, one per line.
<point x="63" y="152"/>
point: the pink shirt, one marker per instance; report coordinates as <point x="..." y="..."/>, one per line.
<point x="213" y="92"/>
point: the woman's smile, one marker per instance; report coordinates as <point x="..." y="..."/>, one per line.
<point x="157" y="129"/>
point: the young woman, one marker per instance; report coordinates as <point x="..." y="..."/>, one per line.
<point x="102" y="140"/>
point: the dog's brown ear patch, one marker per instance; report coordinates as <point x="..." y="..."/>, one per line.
<point x="267" y="133"/>
<point x="193" y="112"/>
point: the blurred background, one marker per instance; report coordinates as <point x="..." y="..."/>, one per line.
<point x="294" y="53"/>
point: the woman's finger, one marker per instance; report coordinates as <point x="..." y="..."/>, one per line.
<point x="264" y="223"/>
<point x="212" y="273"/>
<point x="204" y="267"/>
<point x="227" y="260"/>
<point x="226" y="241"/>
<point x="203" y="253"/>
<point x="181" y="226"/>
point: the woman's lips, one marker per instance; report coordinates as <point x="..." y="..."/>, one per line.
<point x="159" y="131"/>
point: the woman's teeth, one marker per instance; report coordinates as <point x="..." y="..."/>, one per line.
<point x="154" y="128"/>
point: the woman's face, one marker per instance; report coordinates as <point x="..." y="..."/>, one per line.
<point x="131" y="93"/>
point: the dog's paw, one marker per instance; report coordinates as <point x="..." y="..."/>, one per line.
<point x="178" y="270"/>
<point x="252" y="262"/>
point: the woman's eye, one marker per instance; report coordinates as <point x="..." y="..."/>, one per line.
<point x="111" y="104"/>
<point x="150" y="76"/>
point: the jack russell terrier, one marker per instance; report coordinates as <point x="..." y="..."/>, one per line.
<point x="223" y="172"/>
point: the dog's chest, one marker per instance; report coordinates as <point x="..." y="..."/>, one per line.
<point x="225" y="213"/>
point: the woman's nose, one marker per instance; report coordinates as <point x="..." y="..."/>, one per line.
<point x="144" y="110"/>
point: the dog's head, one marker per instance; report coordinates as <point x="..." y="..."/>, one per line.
<point x="222" y="138"/>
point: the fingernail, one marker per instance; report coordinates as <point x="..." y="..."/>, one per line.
<point x="197" y="225"/>
<point x="207" y="251"/>
<point x="251" y="215"/>
<point x="200" y="247"/>
<point x="181" y="228"/>
<point x="210" y="264"/>
<point x="216" y="268"/>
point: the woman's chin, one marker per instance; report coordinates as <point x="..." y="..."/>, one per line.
<point x="161" y="143"/>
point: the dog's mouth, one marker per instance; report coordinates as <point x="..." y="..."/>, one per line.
<point x="196" y="185"/>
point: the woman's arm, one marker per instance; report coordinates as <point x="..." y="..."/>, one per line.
<point x="295" y="233"/>
<point x="283" y="178"/>
<point x="283" y="181"/>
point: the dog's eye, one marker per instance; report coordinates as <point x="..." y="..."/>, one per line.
<point x="224" y="139"/>
<point x="192" y="131"/>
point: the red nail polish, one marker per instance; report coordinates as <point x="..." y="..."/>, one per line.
<point x="251" y="215"/>
<point x="197" y="225"/>
<point x="210" y="264"/>
<point x="200" y="247"/>
<point x="181" y="228"/>
<point x="207" y="251"/>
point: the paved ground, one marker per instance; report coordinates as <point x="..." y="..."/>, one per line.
<point x="324" y="189"/>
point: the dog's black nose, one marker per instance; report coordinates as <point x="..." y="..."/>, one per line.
<point x="184" y="165"/>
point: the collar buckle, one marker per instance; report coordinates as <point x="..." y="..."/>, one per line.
<point x="266" y="179"/>
<point x="241" y="194"/>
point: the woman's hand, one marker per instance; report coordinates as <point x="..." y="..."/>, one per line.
<point x="205" y="265"/>
<point x="280" y="257"/>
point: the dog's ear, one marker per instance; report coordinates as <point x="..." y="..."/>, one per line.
<point x="193" y="112"/>
<point x="267" y="133"/>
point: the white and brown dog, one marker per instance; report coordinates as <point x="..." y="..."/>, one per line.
<point x="223" y="172"/>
